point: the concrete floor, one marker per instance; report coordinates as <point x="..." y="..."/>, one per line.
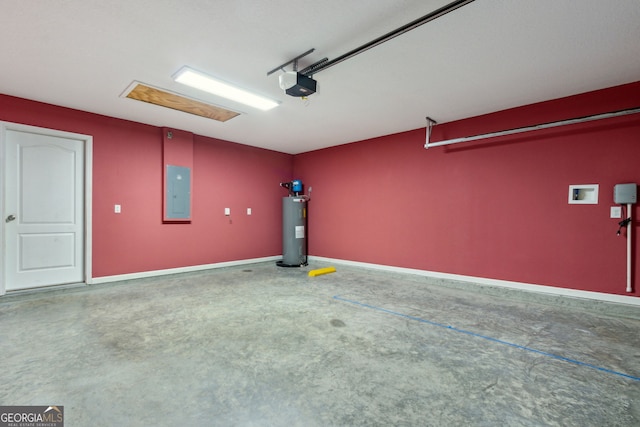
<point x="260" y="345"/>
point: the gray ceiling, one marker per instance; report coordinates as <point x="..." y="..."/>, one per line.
<point x="486" y="56"/>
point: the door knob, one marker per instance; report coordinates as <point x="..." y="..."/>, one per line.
<point x="10" y="218"/>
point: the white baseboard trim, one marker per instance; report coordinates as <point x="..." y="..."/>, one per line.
<point x="551" y="290"/>
<point x="189" y="269"/>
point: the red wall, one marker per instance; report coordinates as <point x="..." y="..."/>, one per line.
<point x="128" y="170"/>
<point x="495" y="208"/>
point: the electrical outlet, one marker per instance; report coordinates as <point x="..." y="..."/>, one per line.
<point x="248" y="211"/>
<point x="117" y="208"/>
<point x="616" y="212"/>
<point x="227" y="211"/>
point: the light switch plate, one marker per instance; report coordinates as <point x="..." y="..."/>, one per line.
<point x="616" y="212"/>
<point x="117" y="208"/>
<point x="248" y="211"/>
<point x="227" y="211"/>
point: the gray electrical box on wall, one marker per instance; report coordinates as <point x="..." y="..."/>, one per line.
<point x="178" y="187"/>
<point x="625" y="193"/>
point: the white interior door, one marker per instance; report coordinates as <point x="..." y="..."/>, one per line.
<point x="43" y="209"/>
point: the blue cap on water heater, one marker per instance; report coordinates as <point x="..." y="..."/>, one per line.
<point x="296" y="186"/>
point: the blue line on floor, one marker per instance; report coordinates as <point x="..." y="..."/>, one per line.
<point x="518" y="346"/>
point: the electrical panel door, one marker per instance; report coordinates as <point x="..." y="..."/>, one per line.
<point x="178" y="200"/>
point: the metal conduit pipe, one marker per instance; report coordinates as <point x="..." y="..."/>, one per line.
<point x="629" y="259"/>
<point x="431" y="122"/>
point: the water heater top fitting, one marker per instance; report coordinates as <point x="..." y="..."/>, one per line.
<point x="295" y="187"/>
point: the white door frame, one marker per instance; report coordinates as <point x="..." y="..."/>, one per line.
<point x="88" y="191"/>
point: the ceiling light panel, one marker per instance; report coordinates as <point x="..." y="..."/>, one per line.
<point x="204" y="82"/>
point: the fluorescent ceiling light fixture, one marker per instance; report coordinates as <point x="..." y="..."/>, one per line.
<point x="198" y="80"/>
